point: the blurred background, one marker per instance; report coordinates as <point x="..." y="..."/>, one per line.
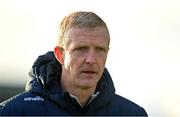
<point x="144" y="56"/>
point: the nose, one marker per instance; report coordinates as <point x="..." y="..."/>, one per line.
<point x="90" y="58"/>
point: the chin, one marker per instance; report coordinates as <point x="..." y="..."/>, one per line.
<point x="87" y="82"/>
<point x="87" y="85"/>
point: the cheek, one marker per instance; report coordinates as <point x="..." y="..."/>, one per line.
<point x="102" y="61"/>
<point x="67" y="61"/>
<point x="71" y="62"/>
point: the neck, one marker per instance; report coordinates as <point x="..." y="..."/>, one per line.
<point x="83" y="94"/>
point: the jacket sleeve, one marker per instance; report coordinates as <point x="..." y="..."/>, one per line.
<point x="11" y="106"/>
<point x="5" y="110"/>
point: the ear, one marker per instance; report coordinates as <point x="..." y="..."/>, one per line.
<point x="58" y="52"/>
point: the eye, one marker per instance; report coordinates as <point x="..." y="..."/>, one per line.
<point x="100" y="49"/>
<point x="80" y="49"/>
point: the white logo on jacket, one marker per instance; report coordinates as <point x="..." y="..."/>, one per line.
<point x="37" y="98"/>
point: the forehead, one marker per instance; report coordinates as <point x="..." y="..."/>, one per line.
<point x="80" y="35"/>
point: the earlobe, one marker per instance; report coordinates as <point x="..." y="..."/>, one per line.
<point x="59" y="54"/>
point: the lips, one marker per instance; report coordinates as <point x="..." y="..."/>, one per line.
<point x="89" y="71"/>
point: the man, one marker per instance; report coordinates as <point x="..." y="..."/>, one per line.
<point x="73" y="80"/>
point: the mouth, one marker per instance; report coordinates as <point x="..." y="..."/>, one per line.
<point x="89" y="72"/>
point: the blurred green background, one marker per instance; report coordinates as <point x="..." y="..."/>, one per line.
<point x="7" y="92"/>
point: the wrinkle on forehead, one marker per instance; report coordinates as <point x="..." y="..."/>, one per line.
<point x="91" y="33"/>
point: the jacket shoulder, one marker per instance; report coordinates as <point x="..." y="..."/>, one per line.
<point x="127" y="107"/>
<point x="17" y="104"/>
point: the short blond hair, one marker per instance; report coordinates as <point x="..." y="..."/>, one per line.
<point x="80" y="19"/>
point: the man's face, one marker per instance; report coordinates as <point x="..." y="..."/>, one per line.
<point x="85" y="55"/>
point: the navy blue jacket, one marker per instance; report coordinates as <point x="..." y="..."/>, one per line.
<point x="44" y="95"/>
